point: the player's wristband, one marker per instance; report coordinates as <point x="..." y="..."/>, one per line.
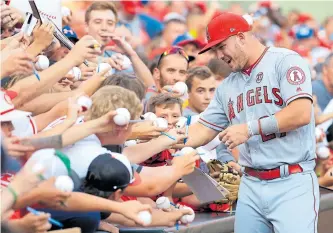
<point x="253" y="128"/>
<point x="268" y="125"/>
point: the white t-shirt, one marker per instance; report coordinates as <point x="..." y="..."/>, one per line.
<point x="83" y="152"/>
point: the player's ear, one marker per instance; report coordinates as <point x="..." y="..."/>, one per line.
<point x="241" y="38"/>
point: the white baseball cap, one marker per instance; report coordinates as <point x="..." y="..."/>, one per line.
<point x="7" y="109"/>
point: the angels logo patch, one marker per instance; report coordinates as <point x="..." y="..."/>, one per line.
<point x="295" y="75"/>
<point x="231" y="110"/>
<point x="259" y="77"/>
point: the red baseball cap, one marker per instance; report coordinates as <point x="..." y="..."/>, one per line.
<point x="222" y="27"/>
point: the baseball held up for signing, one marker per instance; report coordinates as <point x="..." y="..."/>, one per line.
<point x="186" y="150"/>
<point x="123" y="117"/>
<point x="180" y="87"/>
<point x="163" y="203"/>
<point x="161" y="123"/>
<point x="42" y="62"/>
<point x="145" y="217"/>
<point x="64" y="183"/>
<point x="85" y="102"/>
<point x="188" y="218"/>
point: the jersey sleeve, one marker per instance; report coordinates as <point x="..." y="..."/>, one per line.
<point x="214" y="116"/>
<point x="295" y="78"/>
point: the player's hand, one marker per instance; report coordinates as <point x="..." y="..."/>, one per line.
<point x="185" y="163"/>
<point x="146" y="130"/>
<point x="50" y="196"/>
<point x="14" y="147"/>
<point x="131" y="209"/>
<point x="43" y="35"/>
<point x="31" y="223"/>
<point x="235" y="166"/>
<point x="234" y="135"/>
<point x="84" y="49"/>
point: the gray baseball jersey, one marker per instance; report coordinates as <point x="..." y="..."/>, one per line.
<point x="277" y="78"/>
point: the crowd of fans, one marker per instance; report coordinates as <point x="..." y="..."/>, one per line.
<point x="132" y="56"/>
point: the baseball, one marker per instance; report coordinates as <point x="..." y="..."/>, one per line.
<point x="180" y="87"/>
<point x="85" y="102"/>
<point x="149" y="116"/>
<point x="145" y="217"/>
<point x="130" y="143"/>
<point x="123" y="116"/>
<point x="126" y="62"/>
<point x="188" y="218"/>
<point x="163" y="203"/>
<point x="323" y="152"/>
<point x="181" y="122"/>
<point x="76" y="73"/>
<point x="65" y="11"/>
<point x="42" y="62"/>
<point x="186" y="150"/>
<point x="64" y="183"/>
<point x="104" y="66"/>
<point x="161" y="123"/>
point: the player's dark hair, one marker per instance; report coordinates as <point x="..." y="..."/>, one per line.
<point x="163" y="99"/>
<point x="200" y="72"/>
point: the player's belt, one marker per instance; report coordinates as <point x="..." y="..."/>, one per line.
<point x="272" y="173"/>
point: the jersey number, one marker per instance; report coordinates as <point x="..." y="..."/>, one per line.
<point x="268" y="137"/>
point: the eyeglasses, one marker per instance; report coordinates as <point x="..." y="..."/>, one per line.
<point x="173" y="50"/>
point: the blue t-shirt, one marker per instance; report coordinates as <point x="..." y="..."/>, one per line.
<point x="323" y="96"/>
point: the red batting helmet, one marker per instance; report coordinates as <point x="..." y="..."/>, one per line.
<point x="222" y="27"/>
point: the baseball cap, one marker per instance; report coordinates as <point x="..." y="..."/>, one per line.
<point x="222" y="27"/>
<point x="109" y="172"/>
<point x="7" y="108"/>
<point x="304" y="32"/>
<point x="185" y="39"/>
<point x="70" y="34"/>
<point x="173" y="16"/>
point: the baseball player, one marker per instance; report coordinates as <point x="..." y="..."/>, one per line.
<point x="265" y="109"/>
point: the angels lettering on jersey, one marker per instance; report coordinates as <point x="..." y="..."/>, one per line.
<point x="254" y="96"/>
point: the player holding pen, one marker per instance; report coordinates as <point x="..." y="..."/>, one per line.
<point x="265" y="109"/>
